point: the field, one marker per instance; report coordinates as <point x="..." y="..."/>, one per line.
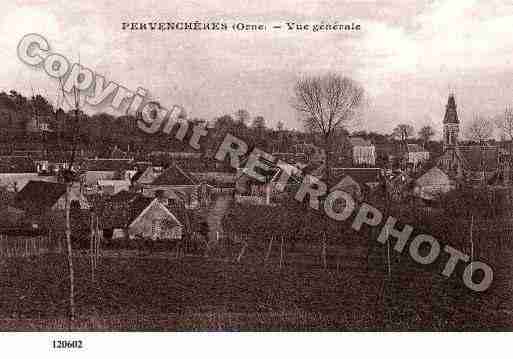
<point x="155" y="291"/>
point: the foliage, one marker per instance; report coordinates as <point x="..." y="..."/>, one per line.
<point x="426" y="133"/>
<point x="403" y="132"/>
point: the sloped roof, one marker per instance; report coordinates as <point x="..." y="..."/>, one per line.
<point x="17" y="164"/>
<point x="147" y="176"/>
<point x="175" y="176"/>
<point x="434" y="176"/>
<point x="177" y="208"/>
<point x="137" y="206"/>
<point x="121" y="209"/>
<point x="39" y="195"/>
<point x="124" y="196"/>
<point x="451" y="114"/>
<point x="155" y="203"/>
<point x="349" y="185"/>
<point x="137" y="175"/>
<point x="360" y="175"/>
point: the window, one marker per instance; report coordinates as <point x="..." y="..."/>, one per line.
<point x="156" y="229"/>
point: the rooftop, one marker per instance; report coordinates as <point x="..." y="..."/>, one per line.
<point x="39" y="195"/>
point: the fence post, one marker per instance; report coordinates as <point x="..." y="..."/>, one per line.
<point x="281" y="252"/>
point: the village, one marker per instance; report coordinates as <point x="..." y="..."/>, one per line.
<point x="130" y="200"/>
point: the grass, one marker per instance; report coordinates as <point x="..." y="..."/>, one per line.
<point x="197" y="294"/>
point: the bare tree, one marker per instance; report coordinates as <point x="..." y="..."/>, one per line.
<point x="327" y="103"/>
<point x="258" y="123"/>
<point x="403" y="132"/>
<point x="479" y="129"/>
<point x="68" y="177"/>
<point x="505" y="123"/>
<point x="242" y="116"/>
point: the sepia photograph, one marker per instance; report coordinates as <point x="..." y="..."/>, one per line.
<point x="230" y="167"/>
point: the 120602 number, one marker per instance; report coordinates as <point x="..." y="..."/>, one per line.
<point x="67" y="344"/>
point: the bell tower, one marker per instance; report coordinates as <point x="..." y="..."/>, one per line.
<point x="451" y="124"/>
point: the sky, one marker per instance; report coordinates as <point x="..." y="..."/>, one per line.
<point x="408" y="55"/>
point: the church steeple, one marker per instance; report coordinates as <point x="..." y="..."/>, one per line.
<point x="451" y="123"/>
<point x="451" y="115"/>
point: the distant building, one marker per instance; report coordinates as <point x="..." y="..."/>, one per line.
<point x="39" y="124"/>
<point x="104" y="169"/>
<point x="16" y="172"/>
<point x="111" y="187"/>
<point x="364" y="152"/>
<point x="366" y="177"/>
<point x="432" y="184"/>
<point x="156" y="222"/>
<point x="173" y="182"/>
<point x="474" y="163"/>
<point x="134" y="215"/>
<point x="416" y="154"/>
<point x="40" y="196"/>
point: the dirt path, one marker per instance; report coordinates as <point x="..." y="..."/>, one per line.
<point x="216" y="214"/>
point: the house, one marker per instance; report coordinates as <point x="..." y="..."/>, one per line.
<point x="356" y="181"/>
<point x="16" y="172"/>
<point x="251" y="190"/>
<point x="156" y="222"/>
<point x="104" y="169"/>
<point x="477" y="163"/>
<point x="364" y="152"/>
<point x="41" y="196"/>
<point x="432" y="184"/>
<point x="39" y="124"/>
<point x="119" y="210"/>
<point x="416" y="154"/>
<point x="175" y="181"/>
<point x="369" y="177"/>
<point x="137" y="216"/>
<point x="309" y="152"/>
<point x="41" y="204"/>
<point x="111" y="187"/>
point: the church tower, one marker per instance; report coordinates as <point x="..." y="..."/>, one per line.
<point x="451" y="124"/>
